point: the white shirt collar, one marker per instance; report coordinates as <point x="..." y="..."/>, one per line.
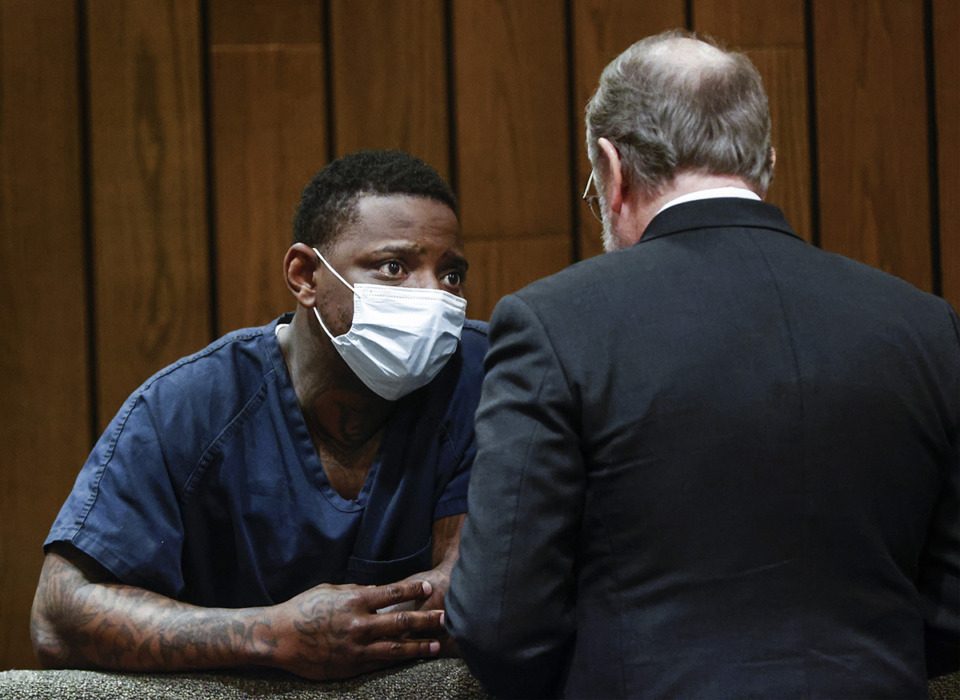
<point x="711" y="193"/>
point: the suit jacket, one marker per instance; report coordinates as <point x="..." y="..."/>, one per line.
<point x="720" y="463"/>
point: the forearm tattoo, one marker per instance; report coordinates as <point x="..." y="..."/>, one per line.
<point x="84" y="620"/>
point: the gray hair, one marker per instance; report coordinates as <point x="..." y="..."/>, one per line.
<point x="700" y="109"/>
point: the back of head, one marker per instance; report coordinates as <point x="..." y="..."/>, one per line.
<point x="674" y="103"/>
<point x="329" y="201"/>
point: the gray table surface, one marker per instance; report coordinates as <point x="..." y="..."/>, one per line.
<point x="436" y="678"/>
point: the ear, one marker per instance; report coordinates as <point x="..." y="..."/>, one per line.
<point x="773" y="166"/>
<point x="613" y="183"/>
<point x="299" y="265"/>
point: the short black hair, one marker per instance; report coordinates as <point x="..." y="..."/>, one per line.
<point x="329" y="201"/>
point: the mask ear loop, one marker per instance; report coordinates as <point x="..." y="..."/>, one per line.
<point x="337" y="274"/>
<point x="329" y="267"/>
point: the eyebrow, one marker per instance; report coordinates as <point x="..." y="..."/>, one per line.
<point x="408" y="249"/>
<point x="460" y="261"/>
<point x="397" y="248"/>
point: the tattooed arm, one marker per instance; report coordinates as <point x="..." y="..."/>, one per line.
<point x="83" y="618"/>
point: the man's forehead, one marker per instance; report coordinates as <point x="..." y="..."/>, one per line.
<point x="402" y="209"/>
<point x="386" y="221"/>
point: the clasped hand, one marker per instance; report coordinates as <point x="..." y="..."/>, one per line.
<point x="335" y="631"/>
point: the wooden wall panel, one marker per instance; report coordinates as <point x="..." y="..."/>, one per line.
<point x="499" y="264"/>
<point x="602" y="30"/>
<point x="871" y="107"/>
<point x="269" y="138"/>
<point x="265" y="21"/>
<point x="396" y="95"/>
<point x="513" y="136"/>
<point x="44" y="412"/>
<point x="776" y="43"/>
<point x="746" y="24"/>
<point x="946" y="56"/>
<point x="148" y="191"/>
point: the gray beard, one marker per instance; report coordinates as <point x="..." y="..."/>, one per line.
<point x="610" y="241"/>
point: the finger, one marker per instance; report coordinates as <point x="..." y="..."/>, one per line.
<point x="393" y="625"/>
<point x="401" y="649"/>
<point x="379" y="597"/>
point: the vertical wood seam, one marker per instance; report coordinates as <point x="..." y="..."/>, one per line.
<point x="213" y="282"/>
<point x="933" y="145"/>
<point x="326" y="31"/>
<point x="573" y="114"/>
<point x="812" y="146"/>
<point x="450" y="75"/>
<point x="86" y="214"/>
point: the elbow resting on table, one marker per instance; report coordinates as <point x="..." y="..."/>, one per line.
<point x="48" y="644"/>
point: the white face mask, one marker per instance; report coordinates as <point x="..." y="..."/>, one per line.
<point x="401" y="337"/>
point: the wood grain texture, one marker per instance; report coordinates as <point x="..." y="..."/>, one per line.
<point x="265" y="22"/>
<point x="776" y="43"/>
<point x="501" y="266"/>
<point x="513" y="144"/>
<point x="784" y="74"/>
<point x="269" y="131"/>
<point x="872" y="134"/>
<point x="148" y="191"/>
<point x="512" y="118"/>
<point x="602" y="29"/>
<point x="44" y="412"/>
<point x="389" y="78"/>
<point x="751" y="24"/>
<point x="946" y="56"/>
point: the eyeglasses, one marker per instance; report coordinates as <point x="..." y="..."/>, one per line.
<point x="592" y="200"/>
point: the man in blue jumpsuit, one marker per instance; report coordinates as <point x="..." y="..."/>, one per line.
<point x="263" y="501"/>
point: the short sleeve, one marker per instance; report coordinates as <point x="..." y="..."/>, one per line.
<point x="453" y="499"/>
<point x="123" y="510"/>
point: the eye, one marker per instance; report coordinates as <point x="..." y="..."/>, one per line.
<point x="454" y="278"/>
<point x="391" y="268"/>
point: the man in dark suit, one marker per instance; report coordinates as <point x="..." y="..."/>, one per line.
<point x="717" y="461"/>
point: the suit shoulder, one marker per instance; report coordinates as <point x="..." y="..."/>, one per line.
<point x="581" y="285"/>
<point x="884" y="288"/>
<point x="585" y="273"/>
